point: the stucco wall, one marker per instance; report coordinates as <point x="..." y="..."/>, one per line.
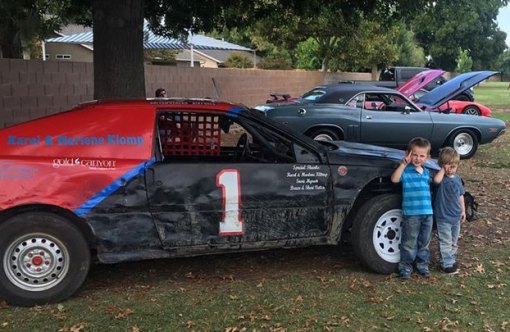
<point x="33" y="88"/>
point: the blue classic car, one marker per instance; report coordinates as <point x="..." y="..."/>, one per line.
<point x="381" y="116"/>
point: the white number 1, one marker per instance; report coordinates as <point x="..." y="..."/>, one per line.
<point x="231" y="221"/>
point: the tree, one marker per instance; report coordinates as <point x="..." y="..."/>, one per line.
<point x="372" y="45"/>
<point x="23" y="22"/>
<point x="332" y="25"/>
<point x="444" y="26"/>
<point x="238" y="60"/>
<point x="118" y="26"/>
<point x="307" y="53"/>
<point x="409" y="52"/>
<point x="464" y="62"/>
<point x="503" y="63"/>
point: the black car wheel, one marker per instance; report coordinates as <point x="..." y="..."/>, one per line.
<point x="471" y="110"/>
<point x="45" y="259"/>
<point x="376" y="233"/>
<point x="324" y="135"/>
<point x="463" y="97"/>
<point x="464" y="142"/>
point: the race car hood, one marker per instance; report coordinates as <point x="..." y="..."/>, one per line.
<point x="419" y="81"/>
<point x="353" y="149"/>
<point x="453" y="87"/>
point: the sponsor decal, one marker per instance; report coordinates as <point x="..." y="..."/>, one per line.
<point x="342" y="170"/>
<point x="13" y="171"/>
<point x="79" y="140"/>
<point x="102" y="164"/>
<point x="307" y="178"/>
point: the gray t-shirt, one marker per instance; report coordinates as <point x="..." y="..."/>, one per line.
<point x="447" y="206"/>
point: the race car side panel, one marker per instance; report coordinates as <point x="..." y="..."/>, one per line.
<point x="67" y="159"/>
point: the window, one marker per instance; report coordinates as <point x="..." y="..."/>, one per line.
<point x="387" y="103"/>
<point x="356" y="101"/>
<point x="63" y="56"/>
<point x="209" y="137"/>
<point x="313" y="94"/>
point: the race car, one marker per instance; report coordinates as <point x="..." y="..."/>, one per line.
<point x="156" y="178"/>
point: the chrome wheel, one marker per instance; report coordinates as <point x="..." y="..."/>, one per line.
<point x="471" y="110"/>
<point x="463" y="143"/>
<point x="323" y="137"/>
<point x="36" y="262"/>
<point x="387" y="235"/>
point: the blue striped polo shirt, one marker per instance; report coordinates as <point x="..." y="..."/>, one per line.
<point x="416" y="198"/>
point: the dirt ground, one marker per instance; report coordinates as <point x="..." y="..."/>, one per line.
<point x="490" y="186"/>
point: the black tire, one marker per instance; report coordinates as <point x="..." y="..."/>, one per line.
<point x="323" y="134"/>
<point x="465" y="142"/>
<point x="45" y="259"/>
<point x="376" y="233"/>
<point x="463" y="97"/>
<point x="471" y="110"/>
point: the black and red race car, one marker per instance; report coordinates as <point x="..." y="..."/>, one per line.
<point x="144" y="179"/>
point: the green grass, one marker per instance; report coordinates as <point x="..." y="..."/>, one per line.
<point x="475" y="300"/>
<point x="494" y="95"/>
<point x="505" y="116"/>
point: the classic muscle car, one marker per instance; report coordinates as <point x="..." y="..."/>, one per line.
<point x="381" y="116"/>
<point x="144" y="179"/>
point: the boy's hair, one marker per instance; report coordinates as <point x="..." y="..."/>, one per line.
<point x="448" y="155"/>
<point x="419" y="142"/>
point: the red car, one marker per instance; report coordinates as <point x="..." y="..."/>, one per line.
<point x="146" y="179"/>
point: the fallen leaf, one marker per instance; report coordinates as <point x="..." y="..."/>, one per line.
<point x="124" y="314"/>
<point x="480" y="268"/>
<point x="77" y="327"/>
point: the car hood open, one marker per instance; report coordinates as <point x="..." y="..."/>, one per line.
<point x="453" y="87"/>
<point x="419" y="81"/>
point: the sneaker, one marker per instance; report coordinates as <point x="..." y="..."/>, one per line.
<point x="450" y="269"/>
<point x="405" y="274"/>
<point x="424" y="272"/>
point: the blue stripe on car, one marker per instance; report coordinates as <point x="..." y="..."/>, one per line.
<point x="110" y="189"/>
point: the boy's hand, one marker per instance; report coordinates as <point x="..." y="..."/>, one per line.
<point x="463" y="217"/>
<point x="407" y="158"/>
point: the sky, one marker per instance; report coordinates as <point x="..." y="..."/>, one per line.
<point x="503" y="20"/>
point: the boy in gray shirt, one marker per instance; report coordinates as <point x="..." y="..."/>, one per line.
<point x="449" y="209"/>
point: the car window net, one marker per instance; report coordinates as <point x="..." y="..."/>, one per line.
<point x="189" y="134"/>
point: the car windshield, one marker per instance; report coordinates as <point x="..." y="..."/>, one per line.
<point x="313" y="94"/>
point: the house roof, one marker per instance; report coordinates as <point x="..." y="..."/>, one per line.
<point x="152" y="41"/>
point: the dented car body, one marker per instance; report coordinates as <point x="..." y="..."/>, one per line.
<point x="133" y="180"/>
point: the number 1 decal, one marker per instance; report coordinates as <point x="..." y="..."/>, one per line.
<point x="231" y="221"/>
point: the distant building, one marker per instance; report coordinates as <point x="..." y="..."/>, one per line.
<point x="74" y="43"/>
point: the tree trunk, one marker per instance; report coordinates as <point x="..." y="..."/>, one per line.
<point x="118" y="49"/>
<point x="10" y="45"/>
<point x="375" y="73"/>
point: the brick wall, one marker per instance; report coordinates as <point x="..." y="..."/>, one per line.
<point x="33" y="88"/>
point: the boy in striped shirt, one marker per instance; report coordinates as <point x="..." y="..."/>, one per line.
<point x="416" y="208"/>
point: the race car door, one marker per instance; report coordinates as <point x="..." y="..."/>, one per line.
<point x="229" y="190"/>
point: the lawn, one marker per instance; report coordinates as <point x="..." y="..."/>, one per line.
<point x="310" y="289"/>
<point x="494" y="95"/>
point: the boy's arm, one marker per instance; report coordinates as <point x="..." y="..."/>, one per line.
<point x="439" y="176"/>
<point x="463" y="211"/>
<point x="397" y="173"/>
